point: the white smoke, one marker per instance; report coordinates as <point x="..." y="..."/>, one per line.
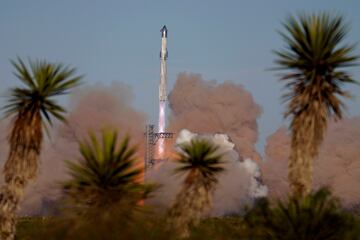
<point x="257" y="189"/>
<point x="238" y="185"/>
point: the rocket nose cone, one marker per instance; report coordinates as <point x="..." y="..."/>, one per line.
<point x="164" y="31"/>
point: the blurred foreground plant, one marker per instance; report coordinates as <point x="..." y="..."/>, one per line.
<point x="317" y="216"/>
<point x="103" y="196"/>
<point x="202" y="164"/>
<point x="107" y="175"/>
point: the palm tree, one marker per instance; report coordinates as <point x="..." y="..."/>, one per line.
<point x="202" y="164"/>
<point x="315" y="59"/>
<point x="32" y="106"/>
<point x="106" y="173"/>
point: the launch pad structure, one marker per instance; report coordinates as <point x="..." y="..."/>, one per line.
<point x="152" y="137"/>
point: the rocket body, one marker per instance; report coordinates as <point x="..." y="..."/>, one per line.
<point x="162" y="90"/>
<point x="163" y="67"/>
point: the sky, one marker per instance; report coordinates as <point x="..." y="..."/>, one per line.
<point x="119" y="40"/>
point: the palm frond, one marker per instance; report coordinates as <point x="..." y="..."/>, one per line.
<point x="106" y="167"/>
<point x="43" y="80"/>
<point x="315" y="57"/>
<point x="201" y="156"/>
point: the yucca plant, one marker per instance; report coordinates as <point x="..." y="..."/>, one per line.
<point x="315" y="59"/>
<point x="202" y="164"/>
<point x="316" y="216"/>
<point x="32" y="107"/>
<point x="106" y="174"/>
<point x="105" y="191"/>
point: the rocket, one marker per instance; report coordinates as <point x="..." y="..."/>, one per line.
<point x="163" y="67"/>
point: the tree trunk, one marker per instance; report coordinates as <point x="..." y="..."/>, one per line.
<point x="190" y="204"/>
<point x="300" y="172"/>
<point x="21" y="167"/>
<point x="308" y="129"/>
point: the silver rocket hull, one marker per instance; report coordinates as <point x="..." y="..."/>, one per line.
<point x="163" y="66"/>
<point x="163" y="80"/>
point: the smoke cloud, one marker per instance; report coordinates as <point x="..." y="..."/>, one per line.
<point x="209" y="107"/>
<point x="337" y="165"/>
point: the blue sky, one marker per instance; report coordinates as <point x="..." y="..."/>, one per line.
<point x="120" y="41"/>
